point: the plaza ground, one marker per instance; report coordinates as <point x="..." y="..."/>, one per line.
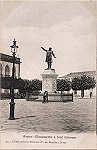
<point x="78" y="116"/>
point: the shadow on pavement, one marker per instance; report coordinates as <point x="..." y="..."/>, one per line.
<point x="25" y="117"/>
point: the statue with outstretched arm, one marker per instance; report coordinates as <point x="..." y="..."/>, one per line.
<point x="49" y="54"/>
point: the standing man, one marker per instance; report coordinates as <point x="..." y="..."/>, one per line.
<point x="91" y="90"/>
<point x="45" y="97"/>
<point x="49" y="54"/>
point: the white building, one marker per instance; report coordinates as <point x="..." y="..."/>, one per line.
<point x="6" y="66"/>
<point x="70" y="76"/>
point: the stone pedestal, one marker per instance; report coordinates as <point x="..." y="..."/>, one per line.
<point x="49" y="84"/>
<point x="49" y="79"/>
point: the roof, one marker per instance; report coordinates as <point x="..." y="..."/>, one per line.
<point x="93" y="73"/>
<point x="8" y="58"/>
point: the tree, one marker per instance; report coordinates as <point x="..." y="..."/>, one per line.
<point x="87" y="83"/>
<point x="83" y="83"/>
<point x="76" y="84"/>
<point x="91" y="83"/>
<point x="30" y="86"/>
<point x="36" y="85"/>
<point x="63" y="85"/>
<point x="23" y="86"/>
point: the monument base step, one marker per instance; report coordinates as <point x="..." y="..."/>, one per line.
<point x="52" y="97"/>
<point x="56" y="97"/>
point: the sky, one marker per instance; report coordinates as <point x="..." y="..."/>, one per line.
<point x="69" y="27"/>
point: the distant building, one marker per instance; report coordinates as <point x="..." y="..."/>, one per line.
<point x="6" y="66"/>
<point x="70" y="76"/>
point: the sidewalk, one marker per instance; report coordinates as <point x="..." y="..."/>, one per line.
<point x="50" y="117"/>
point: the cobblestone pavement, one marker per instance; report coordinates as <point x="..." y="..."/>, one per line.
<point x="78" y="116"/>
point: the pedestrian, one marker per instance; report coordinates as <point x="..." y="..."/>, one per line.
<point x="90" y="93"/>
<point x="44" y="97"/>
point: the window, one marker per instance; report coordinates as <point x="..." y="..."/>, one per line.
<point x="7" y="70"/>
<point x="0" y="69"/>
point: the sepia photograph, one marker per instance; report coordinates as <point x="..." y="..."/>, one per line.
<point x="48" y="74"/>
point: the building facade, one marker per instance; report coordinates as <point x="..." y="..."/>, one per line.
<point x="6" y="65"/>
<point x="72" y="75"/>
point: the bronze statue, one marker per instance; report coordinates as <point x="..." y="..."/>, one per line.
<point x="49" y="54"/>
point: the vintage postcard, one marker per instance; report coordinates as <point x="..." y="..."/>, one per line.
<point x="48" y="74"/>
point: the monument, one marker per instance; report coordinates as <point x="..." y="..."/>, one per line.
<point x="49" y="76"/>
<point x="49" y="81"/>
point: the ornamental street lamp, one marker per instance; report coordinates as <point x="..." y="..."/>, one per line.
<point x="12" y="104"/>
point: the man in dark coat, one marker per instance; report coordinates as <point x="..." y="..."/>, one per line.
<point x="45" y="97"/>
<point x="49" y="54"/>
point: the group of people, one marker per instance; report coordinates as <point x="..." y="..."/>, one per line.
<point x="45" y="97"/>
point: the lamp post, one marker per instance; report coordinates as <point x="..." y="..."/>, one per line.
<point x="12" y="104"/>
